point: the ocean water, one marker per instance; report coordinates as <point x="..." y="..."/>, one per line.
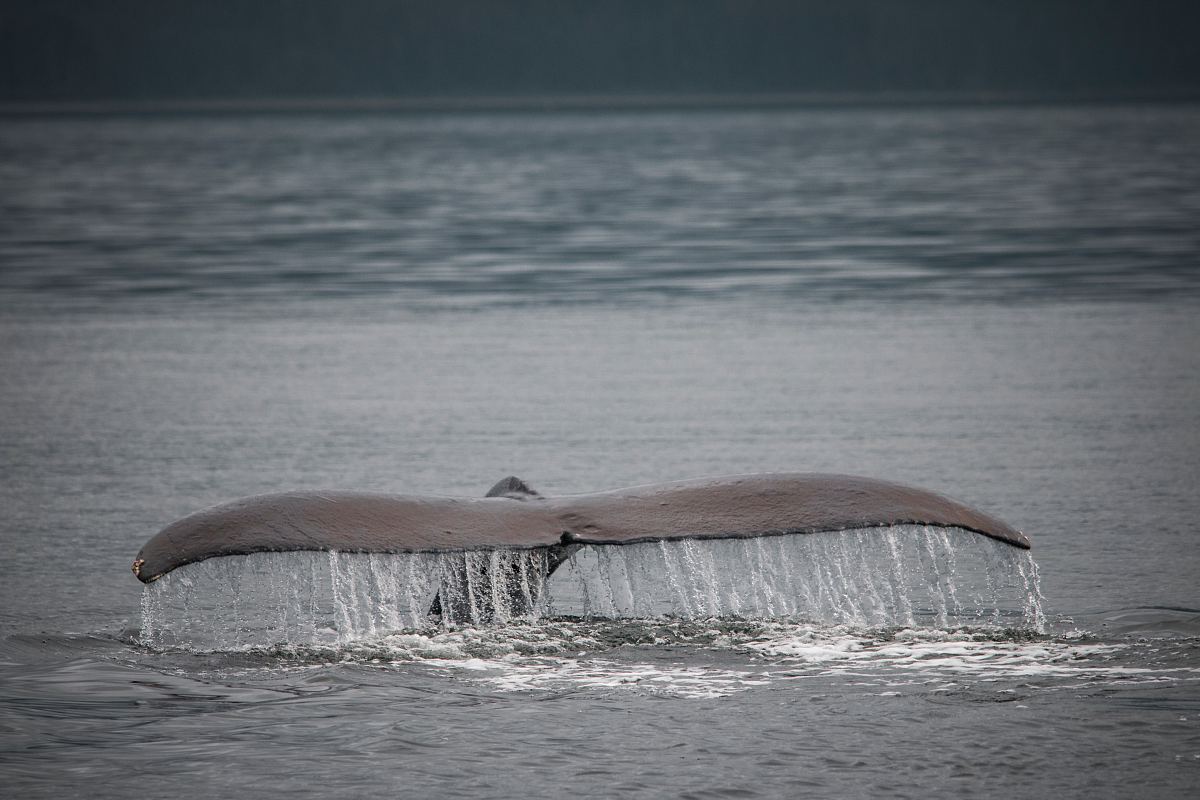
<point x="997" y="304"/>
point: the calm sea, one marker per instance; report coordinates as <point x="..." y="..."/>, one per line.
<point x="1002" y="305"/>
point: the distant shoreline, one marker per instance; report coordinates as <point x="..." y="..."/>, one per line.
<point x="580" y="102"/>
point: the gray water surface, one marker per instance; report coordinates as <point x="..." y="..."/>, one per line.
<point x="463" y="210"/>
<point x="1000" y="305"/>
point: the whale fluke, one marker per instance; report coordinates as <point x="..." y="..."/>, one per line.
<point x="514" y="516"/>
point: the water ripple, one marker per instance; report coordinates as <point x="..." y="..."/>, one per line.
<point x="479" y="209"/>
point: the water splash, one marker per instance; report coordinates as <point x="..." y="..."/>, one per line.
<point x="898" y="576"/>
<point x="902" y="575"/>
<point x="333" y="598"/>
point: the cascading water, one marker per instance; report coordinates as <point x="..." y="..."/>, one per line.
<point x="903" y="575"/>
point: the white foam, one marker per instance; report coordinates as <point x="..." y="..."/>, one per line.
<point x="711" y="658"/>
<point x="581" y="656"/>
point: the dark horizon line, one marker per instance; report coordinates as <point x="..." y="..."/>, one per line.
<point x="632" y="101"/>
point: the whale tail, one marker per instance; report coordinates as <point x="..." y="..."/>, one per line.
<point x="524" y="579"/>
<point x="515" y="517"/>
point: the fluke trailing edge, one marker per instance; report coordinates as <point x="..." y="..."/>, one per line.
<point x="513" y="516"/>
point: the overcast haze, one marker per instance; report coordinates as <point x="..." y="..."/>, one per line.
<point x="181" y="50"/>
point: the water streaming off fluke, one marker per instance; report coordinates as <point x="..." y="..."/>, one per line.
<point x="903" y="575"/>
